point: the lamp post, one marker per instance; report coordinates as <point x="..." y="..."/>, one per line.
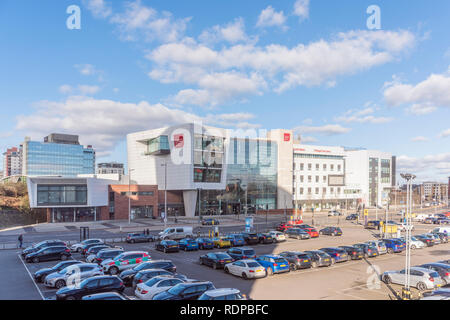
<point x="406" y="294"/>
<point x="165" y="194"/>
<point x="129" y="195"/>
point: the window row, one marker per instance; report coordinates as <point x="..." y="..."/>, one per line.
<point x="301" y="167"/>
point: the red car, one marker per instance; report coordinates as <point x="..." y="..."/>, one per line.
<point x="311" y="231"/>
<point x="283" y="227"/>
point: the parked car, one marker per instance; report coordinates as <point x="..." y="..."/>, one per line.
<point x="105" y="296"/>
<point x="373" y="224"/>
<point x="221" y="242"/>
<point x="445" y="230"/>
<point x="310" y="230"/>
<point x="92" y="252"/>
<point x="319" y="258"/>
<point x="297" y="260"/>
<point x="353" y="216"/>
<point x="144" y="275"/>
<point x="273" y="264"/>
<point x="333" y="213"/>
<point x="148" y="289"/>
<point x="85" y="248"/>
<point x="440" y="294"/>
<point x="77" y="246"/>
<point x="331" y="231"/>
<point x="394" y="246"/>
<point x="414" y="244"/>
<point x="246" y="268"/>
<point x="91" y="286"/>
<point x="216" y="260"/>
<point x="337" y="254"/>
<point x="444" y="261"/>
<point x="223" y="294"/>
<point x="167" y="246"/>
<point x="370" y="251"/>
<point x="429" y="220"/>
<point x="442" y="236"/>
<point x="72" y="275"/>
<point x="123" y="261"/>
<point x="242" y="253"/>
<point x="40" y="275"/>
<point x="265" y="238"/>
<point x="278" y="236"/>
<point x="283" y="227"/>
<point x="205" y="243"/>
<point x="421" y="278"/>
<point x="40" y="245"/>
<point x="188" y="244"/>
<point x="354" y="253"/>
<point x="185" y="291"/>
<point x="442" y="268"/>
<point x="435" y="237"/>
<point x="176" y="233"/>
<point x="127" y="276"/>
<point x="250" y="238"/>
<point x="49" y="254"/>
<point x="106" y="254"/>
<point x="298" y="233"/>
<point x="139" y="237"/>
<point x="236" y="240"/>
<point x="379" y="244"/>
<point x="210" y="222"/>
<point x="425" y="239"/>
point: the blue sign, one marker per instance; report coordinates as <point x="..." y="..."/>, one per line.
<point x="248" y="224"/>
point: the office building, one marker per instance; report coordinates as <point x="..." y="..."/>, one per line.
<point x="57" y="155"/>
<point x="111" y="168"/>
<point x="12" y="162"/>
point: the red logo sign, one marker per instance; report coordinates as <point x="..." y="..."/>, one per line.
<point x="178" y="141"/>
<point x="287" y="137"/>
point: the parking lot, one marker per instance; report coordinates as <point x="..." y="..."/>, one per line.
<point x="349" y="280"/>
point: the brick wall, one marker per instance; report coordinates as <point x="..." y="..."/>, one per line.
<point x="121" y="201"/>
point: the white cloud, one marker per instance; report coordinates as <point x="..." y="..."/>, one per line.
<point x="445" y="133"/>
<point x="99" y="8"/>
<point x="301" y="9"/>
<point x="270" y="18"/>
<point x="362" y="116"/>
<point x="86" y="69"/>
<point x="436" y="166"/>
<point x="307" y="139"/>
<point x="88" y="90"/>
<point x="274" y="67"/>
<point x="65" y="89"/>
<point x="329" y="129"/>
<point x="104" y="123"/>
<point x="424" y="97"/>
<point x="232" y="32"/>
<point x="419" y="139"/>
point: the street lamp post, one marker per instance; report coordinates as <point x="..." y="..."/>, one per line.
<point x="129" y="195"/>
<point x="165" y="194"/>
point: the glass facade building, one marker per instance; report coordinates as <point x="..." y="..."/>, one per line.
<point x="251" y="180"/>
<point x="44" y="159"/>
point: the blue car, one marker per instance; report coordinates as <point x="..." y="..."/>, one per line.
<point x="394" y="245"/>
<point x="236" y="240"/>
<point x="188" y="244"/>
<point x="273" y="264"/>
<point x="205" y="243"/>
<point x="337" y="254"/>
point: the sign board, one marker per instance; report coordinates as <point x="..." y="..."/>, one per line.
<point x="248" y="223"/>
<point x="366" y="212"/>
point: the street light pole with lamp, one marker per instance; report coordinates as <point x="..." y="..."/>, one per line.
<point x="129" y="195"/>
<point x="165" y="194"/>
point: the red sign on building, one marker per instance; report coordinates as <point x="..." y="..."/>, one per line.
<point x="178" y="141"/>
<point x="287" y="137"/>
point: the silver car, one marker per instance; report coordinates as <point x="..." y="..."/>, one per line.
<point x="421" y="278"/>
<point x="73" y="274"/>
<point x="380" y="245"/>
<point x="77" y="246"/>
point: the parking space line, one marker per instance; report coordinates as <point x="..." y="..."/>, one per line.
<point x="32" y="279"/>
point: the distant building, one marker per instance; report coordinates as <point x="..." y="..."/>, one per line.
<point x="12" y="162"/>
<point x="57" y="155"/>
<point x="435" y="191"/>
<point x="111" y="168"/>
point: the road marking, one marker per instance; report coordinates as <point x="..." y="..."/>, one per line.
<point x="32" y="279"/>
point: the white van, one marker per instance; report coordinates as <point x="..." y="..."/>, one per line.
<point x="176" y="233"/>
<point x="441" y="230"/>
<point x="420" y="217"/>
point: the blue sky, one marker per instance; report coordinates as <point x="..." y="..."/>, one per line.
<point x="312" y="66"/>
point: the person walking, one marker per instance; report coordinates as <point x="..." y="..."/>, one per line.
<point x="20" y="241"/>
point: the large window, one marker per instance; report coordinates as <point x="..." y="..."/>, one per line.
<point x="158" y="145"/>
<point x="62" y="195"/>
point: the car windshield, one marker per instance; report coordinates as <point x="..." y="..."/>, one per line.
<point x="176" y="289"/>
<point x="171" y="243"/>
<point x="205" y="297"/>
<point x="253" y="265"/>
<point x="279" y="260"/>
<point x="249" y="252"/>
<point x="222" y="256"/>
<point x="153" y="281"/>
<point x="142" y="266"/>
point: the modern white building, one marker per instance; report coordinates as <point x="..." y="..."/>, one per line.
<point x="372" y="174"/>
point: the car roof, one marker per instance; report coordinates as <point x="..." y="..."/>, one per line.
<point x="221" y="292"/>
<point x="248" y="260"/>
<point x="152" y="270"/>
<point x="422" y="269"/>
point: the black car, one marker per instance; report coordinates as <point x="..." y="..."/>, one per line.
<point x="319" y="258"/>
<point x="43" y="244"/>
<point x="127" y="275"/>
<point x="369" y="251"/>
<point x="49" y="254"/>
<point x="185" y="291"/>
<point x="86" y="247"/>
<point x="353" y="252"/>
<point x="298" y="233"/>
<point x="331" y="231"/>
<point x="107" y="254"/>
<point x="265" y="238"/>
<point x="96" y="249"/>
<point x="91" y="286"/>
<point x="353" y="216"/>
<point x="167" y="246"/>
<point x="106" y="296"/>
<point x="139" y="237"/>
<point x="215" y="260"/>
<point x="40" y="275"/>
<point x="297" y="260"/>
<point x="210" y="222"/>
<point x="442" y="236"/>
<point x="337" y="254"/>
<point x="147" y="274"/>
<point x="442" y="269"/>
<point x="425" y="239"/>
<point x="242" y="253"/>
<point x="250" y="238"/>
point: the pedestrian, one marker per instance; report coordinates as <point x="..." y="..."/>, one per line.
<point x="20" y="241"/>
